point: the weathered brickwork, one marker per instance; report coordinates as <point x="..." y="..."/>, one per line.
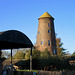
<point x="46" y="34"/>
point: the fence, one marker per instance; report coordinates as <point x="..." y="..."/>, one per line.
<point x="43" y="73"/>
<point x="20" y="73"/>
<point x="56" y="73"/>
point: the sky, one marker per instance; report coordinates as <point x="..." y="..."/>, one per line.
<point x="22" y="15"/>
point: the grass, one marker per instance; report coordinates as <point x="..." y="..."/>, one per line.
<point x="28" y="70"/>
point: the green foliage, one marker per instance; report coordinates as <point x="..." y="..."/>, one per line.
<point x="35" y="64"/>
<point x="28" y="70"/>
<point x="23" y="64"/>
<point x="44" y="59"/>
<point x="19" y="55"/>
<point x="45" y="54"/>
<point x="60" y="49"/>
<point x="35" y="54"/>
<point x="51" y="63"/>
<point x="27" y="55"/>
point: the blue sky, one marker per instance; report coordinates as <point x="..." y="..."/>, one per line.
<point x="23" y="15"/>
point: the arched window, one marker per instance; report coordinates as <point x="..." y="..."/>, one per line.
<point x="48" y="43"/>
<point x="54" y="51"/>
<point x="48" y="31"/>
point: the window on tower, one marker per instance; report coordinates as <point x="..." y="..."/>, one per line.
<point x="48" y="43"/>
<point x="48" y="31"/>
<point x="48" y="24"/>
<point x="39" y="32"/>
<point x="41" y="42"/>
<point x="54" y="51"/>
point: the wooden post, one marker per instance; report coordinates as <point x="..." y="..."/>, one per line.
<point x="11" y="64"/>
<point x="11" y="56"/>
<point x="0" y="64"/>
<point x="31" y="60"/>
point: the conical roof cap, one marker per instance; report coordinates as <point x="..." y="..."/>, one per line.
<point x="46" y="14"/>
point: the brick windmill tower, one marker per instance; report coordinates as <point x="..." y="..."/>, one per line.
<point x="46" y="34"/>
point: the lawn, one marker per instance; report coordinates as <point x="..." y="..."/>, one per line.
<point x="28" y="70"/>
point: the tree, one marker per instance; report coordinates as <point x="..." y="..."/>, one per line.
<point x="35" y="54"/>
<point x="60" y="49"/>
<point x="19" y="55"/>
<point x="73" y="55"/>
<point x="45" y="54"/>
<point x="5" y="54"/>
<point x="27" y="55"/>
